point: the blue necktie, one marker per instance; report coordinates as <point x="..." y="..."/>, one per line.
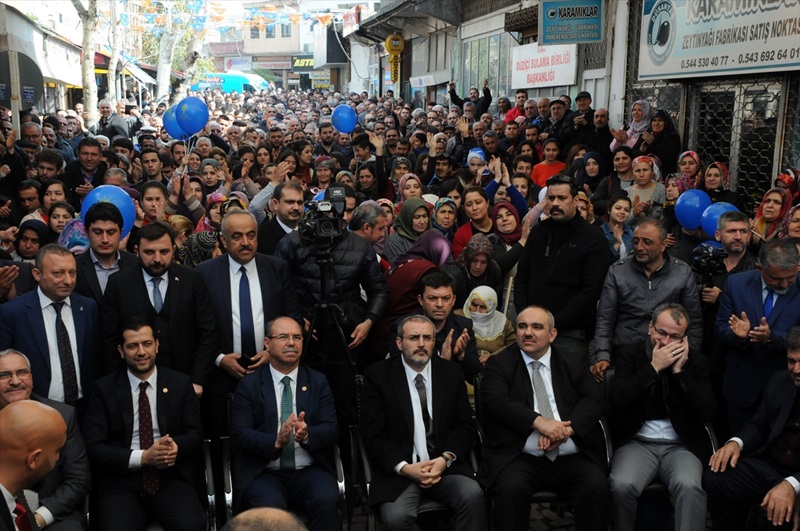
<point x="158" y="301"/>
<point x="247" y="330"/>
<point x="768" y="303"/>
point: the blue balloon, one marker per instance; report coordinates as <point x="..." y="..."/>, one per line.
<point x="192" y="114"/>
<point x="344" y="118"/>
<point x="690" y="206"/>
<point x="117" y="197"/>
<point x="172" y="127"/>
<point x="711" y="216"/>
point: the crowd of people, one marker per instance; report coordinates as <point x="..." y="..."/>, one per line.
<point x="526" y="264"/>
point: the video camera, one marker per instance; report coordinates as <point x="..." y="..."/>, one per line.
<point x="708" y="260"/>
<point x="323" y="219"/>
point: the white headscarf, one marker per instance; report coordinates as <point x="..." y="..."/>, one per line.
<point x="487" y="326"/>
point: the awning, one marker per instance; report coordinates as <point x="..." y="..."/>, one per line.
<point x="139" y="74"/>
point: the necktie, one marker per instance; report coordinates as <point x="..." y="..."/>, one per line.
<point x="419" y="383"/>
<point x="149" y="473"/>
<point x="768" y="303"/>
<point x="68" y="373"/>
<point x="543" y="402"/>
<point x="158" y="301"/>
<point x="287" y="408"/>
<point x="247" y="329"/>
<point x="23" y="517"/>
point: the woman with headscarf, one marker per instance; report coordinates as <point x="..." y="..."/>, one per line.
<point x="493" y="330"/>
<point x="410" y="186"/>
<point x="198" y="247"/>
<point x="412" y="221"/>
<point x="790" y="228"/>
<point x="445" y="213"/>
<point x="211" y="222"/>
<point x="715" y="183"/>
<point x="640" y="121"/>
<point x="646" y="194"/>
<point x="674" y="185"/>
<point x="690" y="166"/>
<point x="32" y="235"/>
<point x="509" y="239"/>
<point x="663" y="141"/>
<point x="770" y="214"/>
<point x="591" y="172"/>
<point x="477" y="267"/>
<point x="789" y="179"/>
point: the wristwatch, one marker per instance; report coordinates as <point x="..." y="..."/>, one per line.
<point x="447" y="459"/>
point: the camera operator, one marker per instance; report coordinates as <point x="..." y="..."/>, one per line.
<point x="323" y="245"/>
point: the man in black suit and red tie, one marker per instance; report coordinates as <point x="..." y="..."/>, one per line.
<point x="760" y="464"/>
<point x="418" y="430"/>
<point x="541" y="413"/>
<point x="142" y="429"/>
<point x="173" y="298"/>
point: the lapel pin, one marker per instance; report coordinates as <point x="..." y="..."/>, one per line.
<point x="165" y="390"/>
<point x="304" y="388"/>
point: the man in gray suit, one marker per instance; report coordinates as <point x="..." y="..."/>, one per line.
<point x="61" y="493"/>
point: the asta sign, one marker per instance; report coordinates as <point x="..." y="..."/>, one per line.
<point x="394" y="45"/>
<point x="302" y="63"/>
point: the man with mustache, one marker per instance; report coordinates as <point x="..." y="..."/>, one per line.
<point x="283" y="426"/>
<point x="287" y="203"/>
<point x="62" y="491"/>
<point x="562" y="268"/>
<point x="428" y="457"/>
<point x="756" y="310"/>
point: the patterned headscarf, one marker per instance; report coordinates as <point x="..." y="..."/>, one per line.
<point x="760" y="225"/>
<point x="783" y="231"/>
<point x="477" y="245"/>
<point x="790" y="178"/>
<point x="197" y="248"/>
<point x="723" y="169"/>
<point x="641" y="126"/>
<point x="694" y="156"/>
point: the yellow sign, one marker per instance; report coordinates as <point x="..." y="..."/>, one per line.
<point x="394" y="44"/>
<point x="394" y="67"/>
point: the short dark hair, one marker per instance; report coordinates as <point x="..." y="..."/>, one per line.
<point x="134" y="323"/>
<point x="145" y="151"/>
<point x="103" y="211"/>
<point x="155" y="230"/>
<point x="89" y="141"/>
<point x="27" y="184"/>
<point x="361" y="141"/>
<point x="436" y="279"/>
<point x="121" y="141"/>
<point x="291" y="185"/>
<point x="731" y="217"/>
<point x="52" y="156"/>
<point x="793" y="339"/>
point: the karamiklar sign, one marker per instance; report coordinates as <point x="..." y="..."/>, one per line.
<point x="535" y="66"/>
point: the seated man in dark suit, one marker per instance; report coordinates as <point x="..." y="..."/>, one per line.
<point x="437" y="301"/>
<point x="103" y="223"/>
<point x="62" y="492"/>
<point x="287" y="203"/>
<point x="429" y="455"/>
<point x="540" y="416"/>
<point x="142" y="430"/>
<point x="661" y="396"/>
<point x="31" y="436"/>
<point x="55" y="328"/>
<point x="760" y="464"/>
<point x="283" y="427"/>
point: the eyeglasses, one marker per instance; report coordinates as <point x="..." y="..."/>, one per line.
<point x="285" y="337"/>
<point x="20" y="374"/>
<point x="662" y="333"/>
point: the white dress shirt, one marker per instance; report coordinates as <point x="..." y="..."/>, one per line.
<point x="256" y="304"/>
<point x="419" y="452"/>
<point x="56" y="390"/>
<point x="135" y="460"/>
<point x="532" y="444"/>
<point x="162" y="287"/>
<point x="286" y="228"/>
<point x="301" y="457"/>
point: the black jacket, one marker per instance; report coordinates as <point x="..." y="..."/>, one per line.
<point x="481" y="106"/>
<point x="354" y="266"/>
<point x="562" y="268"/>
<point x="637" y="391"/>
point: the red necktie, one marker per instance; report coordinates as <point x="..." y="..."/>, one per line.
<point x="22" y="520"/>
<point x="149" y="473"/>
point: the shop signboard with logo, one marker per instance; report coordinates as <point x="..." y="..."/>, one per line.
<point x="570" y="21"/>
<point x="700" y="38"/>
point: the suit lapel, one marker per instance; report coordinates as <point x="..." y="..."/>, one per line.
<point x="267" y="388"/>
<point x="36" y="324"/>
<point x="756" y="292"/>
<point x="224" y="283"/>
<point x="90" y="275"/>
<point x="522" y="379"/>
<point x="439" y="397"/>
<point x="782" y="302"/>
<point x="303" y="390"/>
<point x="162" y="401"/>
<point x="557" y="381"/>
<point x="400" y="384"/>
<point x="79" y="318"/>
<point x="125" y="399"/>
